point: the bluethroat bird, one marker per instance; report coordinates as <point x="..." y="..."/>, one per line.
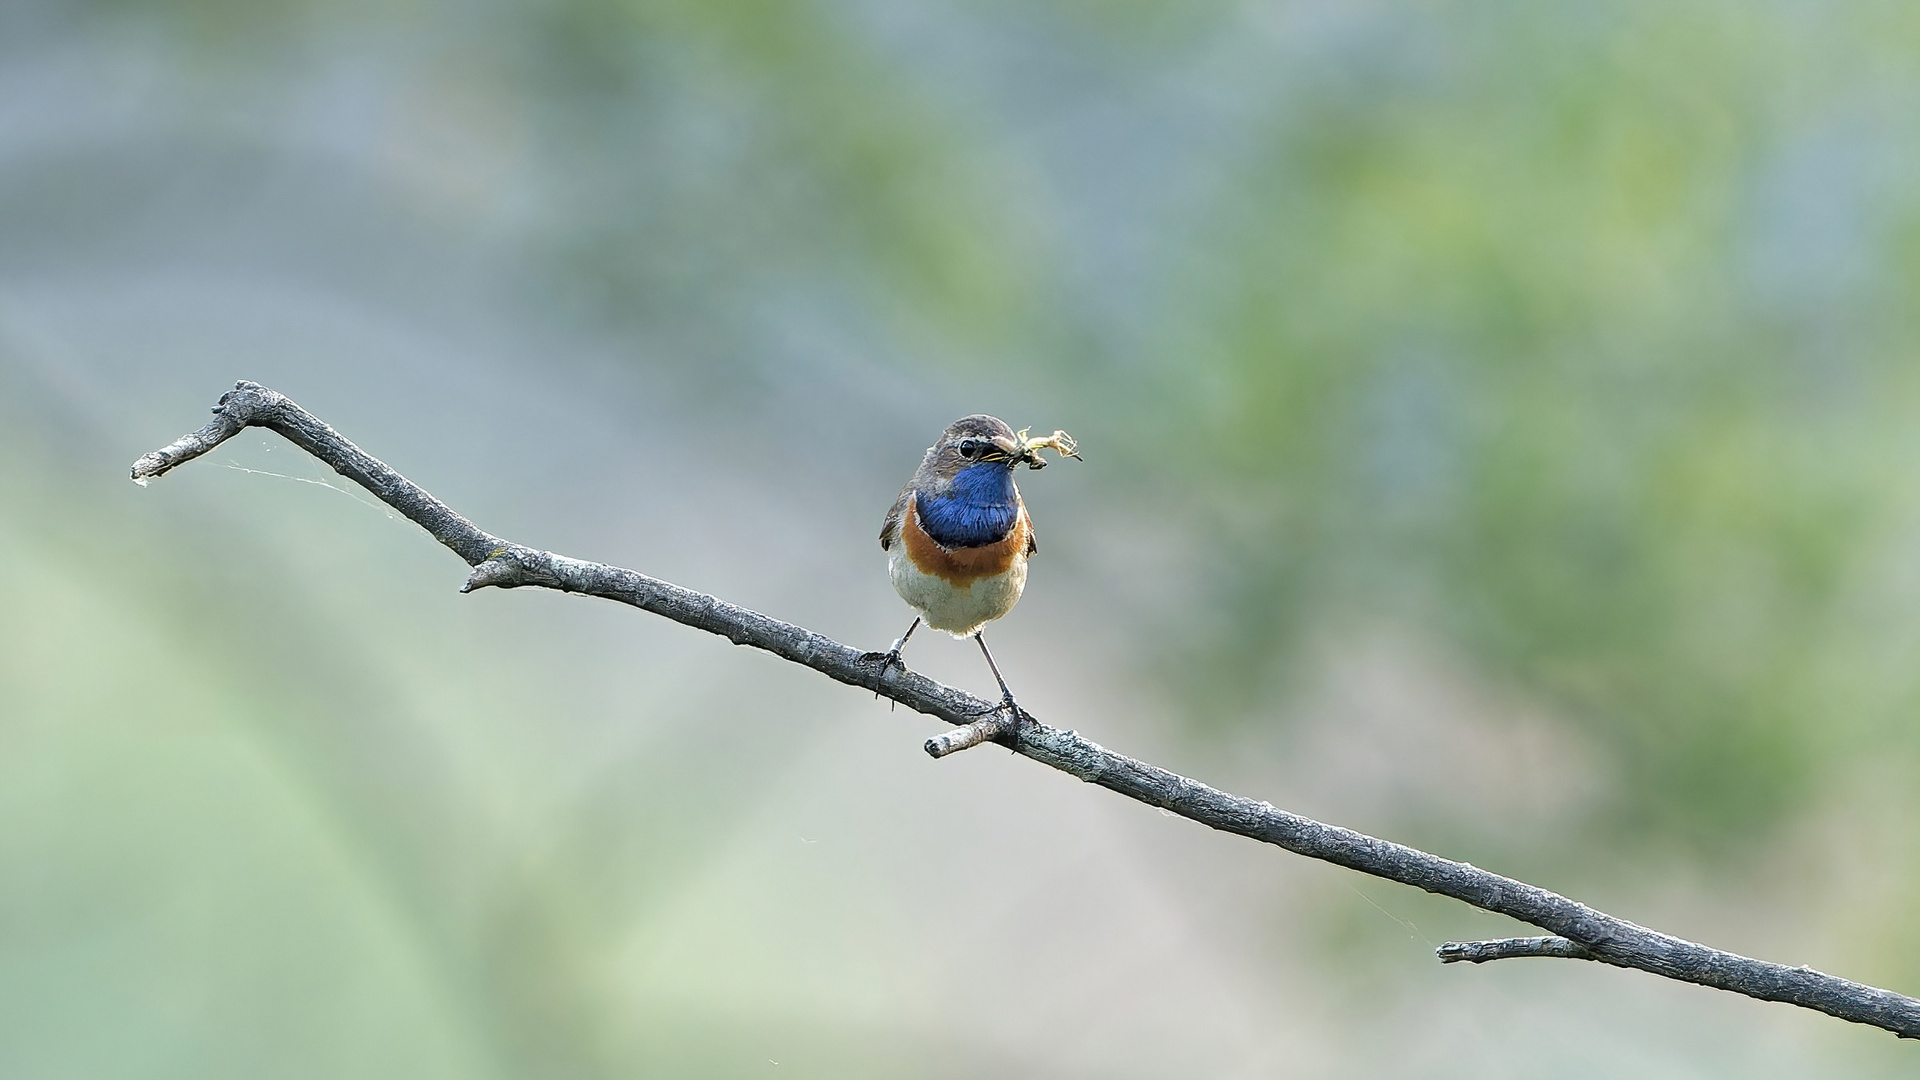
<point x="958" y="538"/>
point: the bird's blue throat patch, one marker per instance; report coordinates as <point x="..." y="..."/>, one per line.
<point x="978" y="509"/>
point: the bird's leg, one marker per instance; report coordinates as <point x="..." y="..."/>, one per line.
<point x="1006" y="695"/>
<point x="891" y="657"/>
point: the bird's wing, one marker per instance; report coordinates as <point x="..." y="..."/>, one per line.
<point x="1032" y="544"/>
<point x="891" y="527"/>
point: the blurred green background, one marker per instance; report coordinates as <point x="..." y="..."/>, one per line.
<point x="1500" y="430"/>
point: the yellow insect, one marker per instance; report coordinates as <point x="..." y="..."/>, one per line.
<point x="1059" y="442"/>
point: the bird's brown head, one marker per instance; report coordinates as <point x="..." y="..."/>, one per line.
<point x="974" y="440"/>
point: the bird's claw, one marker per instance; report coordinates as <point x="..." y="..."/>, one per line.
<point x="1021" y="718"/>
<point x="886" y="660"/>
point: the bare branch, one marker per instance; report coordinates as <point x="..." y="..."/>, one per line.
<point x="1000" y="726"/>
<point x="1580" y="931"/>
<point x="1479" y="952"/>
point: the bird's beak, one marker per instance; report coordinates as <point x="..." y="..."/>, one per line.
<point x="1010" y="451"/>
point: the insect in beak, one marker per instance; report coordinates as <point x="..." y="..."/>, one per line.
<point x="1029" y="451"/>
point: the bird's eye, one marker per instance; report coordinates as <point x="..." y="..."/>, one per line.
<point x="969" y="450"/>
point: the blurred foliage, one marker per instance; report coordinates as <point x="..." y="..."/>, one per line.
<point x="1580" y="338"/>
<point x="1582" y="335"/>
<point x="1522" y="324"/>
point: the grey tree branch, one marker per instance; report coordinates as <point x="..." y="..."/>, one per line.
<point x="999" y="726"/>
<point x="1579" y="932"/>
<point x="1479" y="952"/>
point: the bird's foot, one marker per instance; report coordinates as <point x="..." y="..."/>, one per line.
<point x="886" y="660"/>
<point x="1016" y="723"/>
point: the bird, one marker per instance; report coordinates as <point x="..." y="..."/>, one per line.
<point x="958" y="538"/>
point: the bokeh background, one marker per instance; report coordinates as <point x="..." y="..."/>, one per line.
<point x="1500" y="436"/>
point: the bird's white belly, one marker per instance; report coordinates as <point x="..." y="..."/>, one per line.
<point x="958" y="609"/>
